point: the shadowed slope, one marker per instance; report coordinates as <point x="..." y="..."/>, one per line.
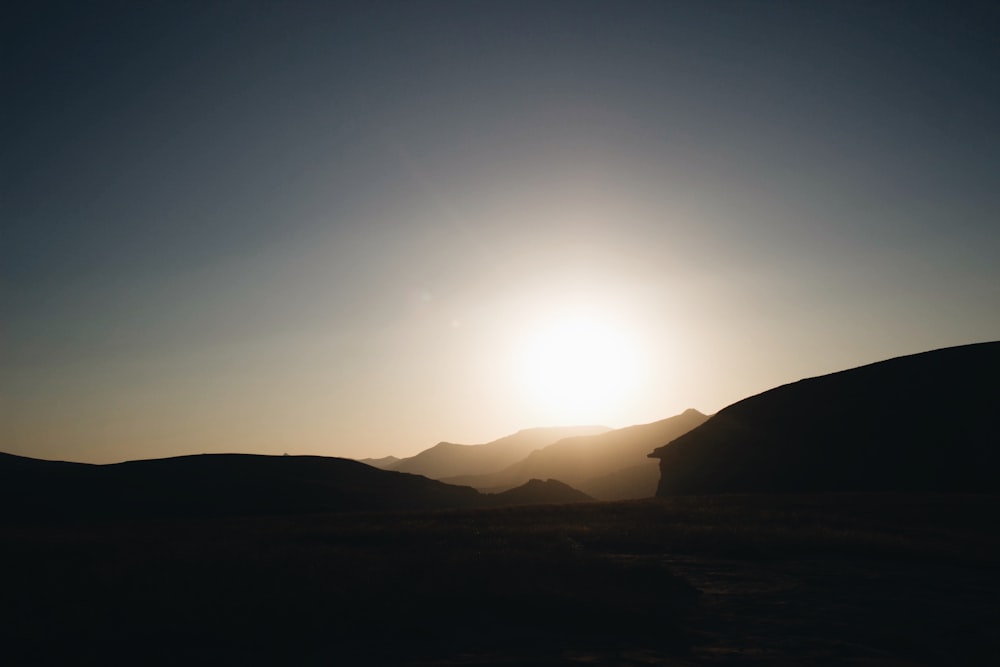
<point x="237" y="484"/>
<point x="447" y="459"/>
<point x="609" y="466"/>
<point x="215" y="484"/>
<point x="925" y="422"/>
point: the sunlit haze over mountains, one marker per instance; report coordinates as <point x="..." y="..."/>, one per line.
<point x="358" y="229"/>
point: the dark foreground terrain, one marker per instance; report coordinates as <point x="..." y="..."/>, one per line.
<point x="868" y="579"/>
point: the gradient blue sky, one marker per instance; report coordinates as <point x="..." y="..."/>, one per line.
<point x="329" y="228"/>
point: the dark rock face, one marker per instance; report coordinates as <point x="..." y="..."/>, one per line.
<point x="924" y="422"/>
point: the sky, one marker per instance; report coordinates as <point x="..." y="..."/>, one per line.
<point x="360" y="229"/>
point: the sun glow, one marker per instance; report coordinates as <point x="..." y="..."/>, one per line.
<point x="579" y="369"/>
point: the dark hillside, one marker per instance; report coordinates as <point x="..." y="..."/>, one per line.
<point x="925" y="422"/>
<point x="215" y="485"/>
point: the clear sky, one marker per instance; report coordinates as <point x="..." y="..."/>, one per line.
<point x="356" y="230"/>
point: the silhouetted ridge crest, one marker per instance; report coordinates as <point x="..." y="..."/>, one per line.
<point x="609" y="466"/>
<point x="448" y="459"/>
<point x="923" y="422"/>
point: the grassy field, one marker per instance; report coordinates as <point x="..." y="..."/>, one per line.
<point x="727" y="580"/>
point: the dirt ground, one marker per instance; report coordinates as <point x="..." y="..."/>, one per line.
<point x="740" y="581"/>
<point x="810" y="614"/>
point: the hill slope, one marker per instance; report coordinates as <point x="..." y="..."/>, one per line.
<point x="924" y="422"/>
<point x="447" y="459"/>
<point x="214" y="484"/>
<point x="610" y="466"/>
<point x="236" y="485"/>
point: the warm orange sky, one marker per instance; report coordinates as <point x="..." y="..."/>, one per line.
<point x="337" y="230"/>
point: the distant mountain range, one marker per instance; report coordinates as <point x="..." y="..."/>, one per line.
<point x="447" y="459"/>
<point x="385" y="463"/>
<point x="610" y="466"/>
<point x="924" y="422"/>
<point x="233" y="484"/>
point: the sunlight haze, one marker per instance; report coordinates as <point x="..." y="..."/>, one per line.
<point x="361" y="229"/>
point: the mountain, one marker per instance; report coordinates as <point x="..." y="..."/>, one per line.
<point x="924" y="422"/>
<point x="384" y="463"/>
<point x="236" y="485"/>
<point x="448" y="459"/>
<point x="611" y="465"/>
<point x="214" y="484"/>
<point x="537" y="492"/>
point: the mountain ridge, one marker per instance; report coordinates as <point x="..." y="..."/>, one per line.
<point x="448" y="459"/>
<point x="229" y="485"/>
<point x="587" y="462"/>
<point x="537" y="492"/>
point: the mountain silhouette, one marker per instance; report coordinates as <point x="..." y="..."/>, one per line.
<point x="384" y="463"/>
<point x="924" y="422"/>
<point x="447" y="459"/>
<point x="215" y="484"/>
<point x="610" y="466"/>
<point x="236" y="485"/>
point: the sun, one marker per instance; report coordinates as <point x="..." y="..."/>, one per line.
<point x="579" y="368"/>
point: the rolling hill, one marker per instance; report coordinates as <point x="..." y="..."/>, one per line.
<point x="610" y="466"/>
<point x="923" y="422"/>
<point x="231" y="485"/>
